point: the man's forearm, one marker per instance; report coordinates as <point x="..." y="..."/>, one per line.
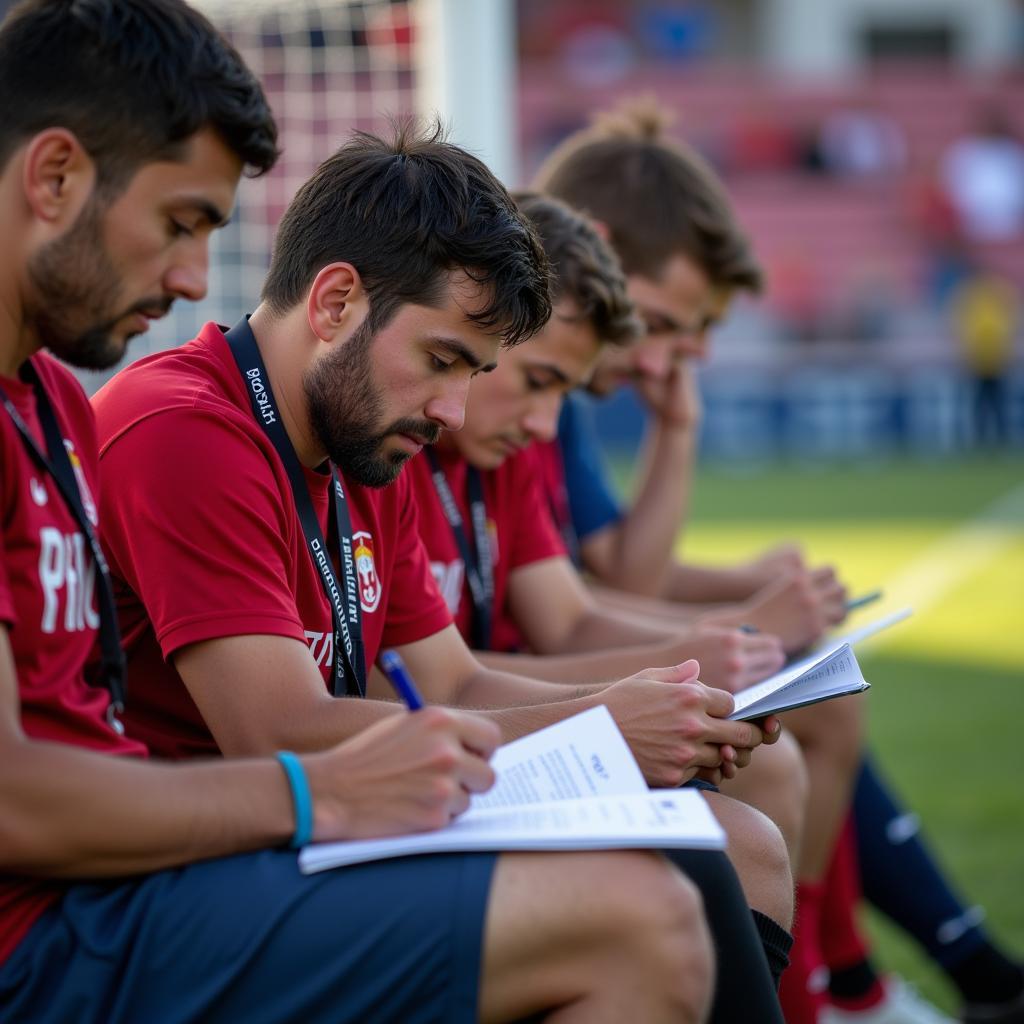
<point x="494" y="687"/>
<point x="709" y="584"/>
<point x="502" y="696"/>
<point x="108" y="816"/>
<point x="606" y="629"/>
<point x="643" y="541"/>
<point x="258" y="694"/>
<point x="648" y="611"/>
<point x="591" y="668"/>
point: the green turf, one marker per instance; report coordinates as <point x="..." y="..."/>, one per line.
<point x="947" y="705"/>
<point x="947" y="734"/>
<point x="939" y="490"/>
<point x="892" y="489"/>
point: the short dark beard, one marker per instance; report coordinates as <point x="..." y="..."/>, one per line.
<point x="74" y="289"/>
<point x="342" y="399"/>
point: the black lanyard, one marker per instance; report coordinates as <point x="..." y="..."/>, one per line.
<point x="561" y="516"/>
<point x="56" y="464"/>
<point x="343" y="599"/>
<point x="478" y="559"/>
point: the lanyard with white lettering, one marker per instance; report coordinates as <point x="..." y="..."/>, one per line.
<point x="477" y="560"/>
<point x="344" y="597"/>
<point x="57" y="465"/>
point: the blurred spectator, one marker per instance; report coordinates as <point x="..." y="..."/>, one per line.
<point x="677" y="31"/>
<point x="945" y="260"/>
<point x="983" y="174"/>
<point x="869" y="310"/>
<point x="591" y="41"/>
<point x="596" y="43"/>
<point x="796" y="296"/>
<point x="862" y="142"/>
<point x="985" y="313"/>
<point x="807" y="136"/>
<point x="763" y="140"/>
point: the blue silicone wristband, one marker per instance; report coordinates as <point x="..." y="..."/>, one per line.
<point x="301" y="798"/>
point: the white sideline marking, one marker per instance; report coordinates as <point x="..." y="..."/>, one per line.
<point x="961" y="552"/>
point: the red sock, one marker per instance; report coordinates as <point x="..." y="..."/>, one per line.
<point x="842" y="944"/>
<point x="841" y="941"/>
<point x="802" y="991"/>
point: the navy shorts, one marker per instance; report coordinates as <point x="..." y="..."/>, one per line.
<point x="249" y="938"/>
<point x="701" y="786"/>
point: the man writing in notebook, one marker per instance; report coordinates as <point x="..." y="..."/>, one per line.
<point x="132" y="890"/>
<point x="366" y="361"/>
<point x="371" y="329"/>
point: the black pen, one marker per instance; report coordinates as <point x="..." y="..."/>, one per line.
<point x="859" y="602"/>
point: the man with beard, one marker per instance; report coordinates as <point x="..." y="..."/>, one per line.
<point x="261" y="565"/>
<point x="399" y="270"/>
<point x="132" y="890"/>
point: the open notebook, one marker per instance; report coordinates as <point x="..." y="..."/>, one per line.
<point x="830" y="671"/>
<point x="572" y="786"/>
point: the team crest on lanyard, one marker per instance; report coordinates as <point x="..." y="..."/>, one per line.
<point x="83" y="487"/>
<point x="366" y="570"/>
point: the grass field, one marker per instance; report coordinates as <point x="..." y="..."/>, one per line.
<point x="947" y="704"/>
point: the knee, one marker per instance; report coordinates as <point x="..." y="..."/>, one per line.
<point x="760" y="856"/>
<point x="687" y="960"/>
<point x="668" y="909"/>
<point x="776" y="782"/>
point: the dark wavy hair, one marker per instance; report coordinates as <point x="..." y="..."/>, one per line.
<point x="132" y="79"/>
<point x="404" y="212"/>
<point x="584" y="269"/>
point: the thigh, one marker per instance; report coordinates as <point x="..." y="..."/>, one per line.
<point x="249" y="938"/>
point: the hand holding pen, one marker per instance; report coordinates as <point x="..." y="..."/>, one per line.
<point x="457" y="740"/>
<point x="405" y="773"/>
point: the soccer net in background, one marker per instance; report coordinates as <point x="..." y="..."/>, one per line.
<point x="327" y="66"/>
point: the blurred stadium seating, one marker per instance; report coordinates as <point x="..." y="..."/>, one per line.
<point x="852" y="350"/>
<point x="860" y="265"/>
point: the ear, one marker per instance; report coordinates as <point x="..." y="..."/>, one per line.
<point x="337" y="302"/>
<point x="603" y="231"/>
<point x="58" y="177"/>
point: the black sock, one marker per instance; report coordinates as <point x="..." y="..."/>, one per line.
<point x="986" y="976"/>
<point x="777" y="943"/>
<point x="852" y="982"/>
<point x="902" y="878"/>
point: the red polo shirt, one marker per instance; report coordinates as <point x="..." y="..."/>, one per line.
<point x="204" y="540"/>
<point x="518" y="521"/>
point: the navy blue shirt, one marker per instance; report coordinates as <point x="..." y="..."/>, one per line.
<point x="593" y="502"/>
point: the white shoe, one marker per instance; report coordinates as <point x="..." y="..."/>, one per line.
<point x="901" y="1005"/>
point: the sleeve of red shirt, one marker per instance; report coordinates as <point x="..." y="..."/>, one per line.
<point x="195" y="523"/>
<point x="416" y="608"/>
<point x="533" y="534"/>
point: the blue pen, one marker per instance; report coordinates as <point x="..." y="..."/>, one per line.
<point x="393" y="667"/>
